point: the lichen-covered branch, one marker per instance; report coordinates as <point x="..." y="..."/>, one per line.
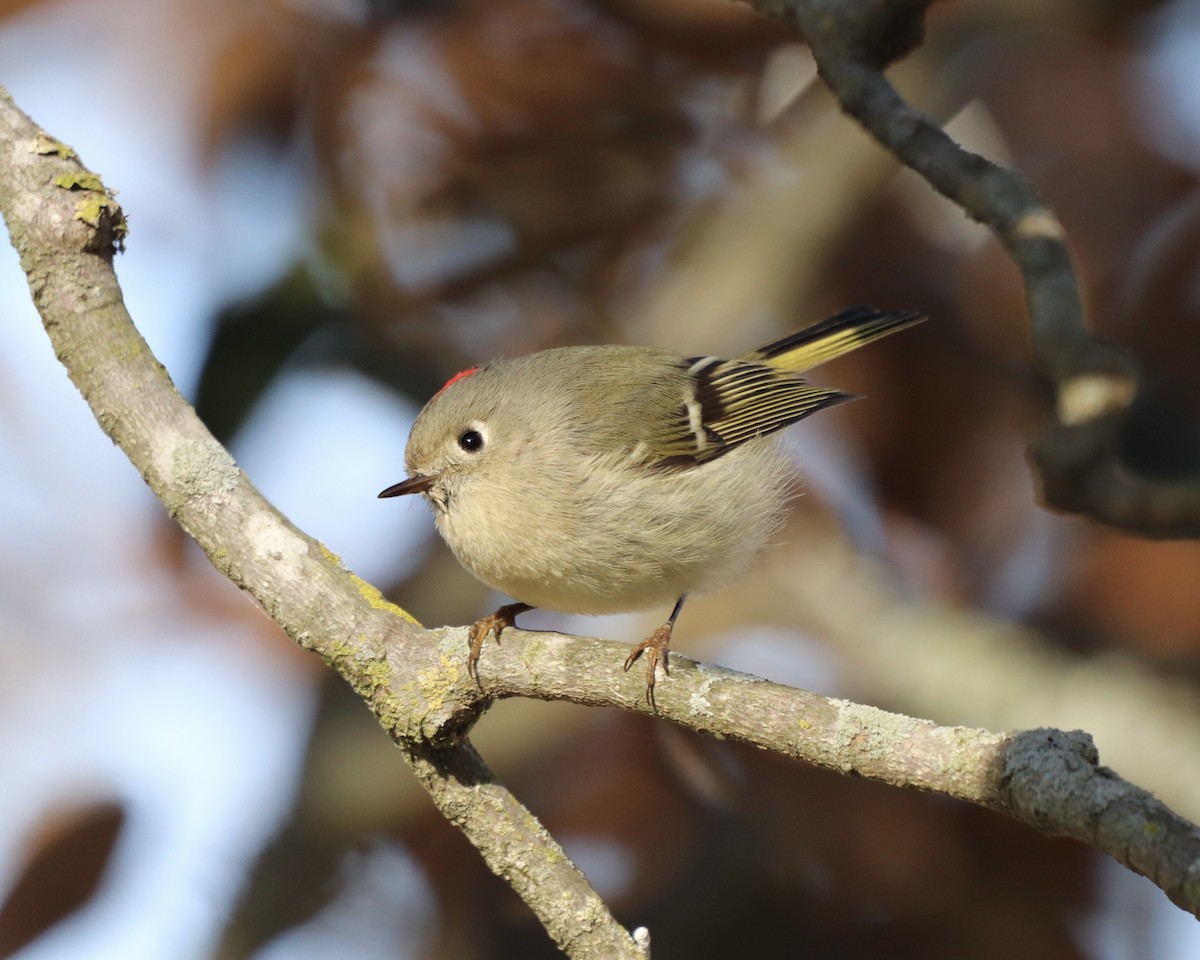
<point x="518" y="849"/>
<point x="1078" y="459"/>
<point x="1049" y="779"/>
<point x="415" y="680"/>
<point x="65" y="236"/>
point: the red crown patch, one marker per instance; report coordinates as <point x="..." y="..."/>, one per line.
<point x="461" y="375"/>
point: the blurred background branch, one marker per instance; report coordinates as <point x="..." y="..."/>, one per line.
<point x="1079" y="459"/>
<point x="380" y="193"/>
<point x="1046" y="778"/>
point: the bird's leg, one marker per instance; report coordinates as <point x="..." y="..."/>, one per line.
<point x="506" y="616"/>
<point x="656" y="648"/>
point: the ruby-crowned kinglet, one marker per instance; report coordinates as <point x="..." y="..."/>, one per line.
<point x="607" y="479"/>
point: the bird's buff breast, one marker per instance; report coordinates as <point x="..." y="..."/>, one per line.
<point x="621" y="542"/>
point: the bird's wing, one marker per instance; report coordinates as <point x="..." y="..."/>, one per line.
<point x="729" y="402"/>
<point x="717" y="404"/>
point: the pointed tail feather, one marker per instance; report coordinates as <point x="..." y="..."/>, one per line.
<point x="841" y="333"/>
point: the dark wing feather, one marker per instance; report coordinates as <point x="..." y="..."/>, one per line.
<point x="727" y="402"/>
<point x="733" y="401"/>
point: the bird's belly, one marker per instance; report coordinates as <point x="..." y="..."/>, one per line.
<point x="626" y="546"/>
<point x="610" y="589"/>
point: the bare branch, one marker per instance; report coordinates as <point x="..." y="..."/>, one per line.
<point x="390" y="661"/>
<point x="1079" y="458"/>
<point x="518" y="849"/>
<point x="415" y="680"/>
<point x="1047" y="778"/>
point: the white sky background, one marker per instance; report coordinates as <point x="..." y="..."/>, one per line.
<point x="105" y="690"/>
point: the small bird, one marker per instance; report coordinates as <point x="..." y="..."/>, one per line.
<point x="608" y="479"/>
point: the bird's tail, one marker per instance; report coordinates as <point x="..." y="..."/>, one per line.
<point x="841" y="333"/>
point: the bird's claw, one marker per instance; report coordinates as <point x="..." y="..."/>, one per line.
<point x="656" y="647"/>
<point x="493" y="623"/>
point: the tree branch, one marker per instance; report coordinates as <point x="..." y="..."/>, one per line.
<point x="415" y="680"/>
<point x="421" y="695"/>
<point x="1049" y="779"/>
<point x="1078" y="459"/>
<point x="517" y="848"/>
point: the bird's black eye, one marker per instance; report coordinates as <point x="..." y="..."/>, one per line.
<point x="471" y="441"/>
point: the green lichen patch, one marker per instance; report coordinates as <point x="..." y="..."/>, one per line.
<point x="98" y="207"/>
<point x="368" y="592"/>
<point x="80" y="180"/>
<point x="378" y="601"/>
<point x="93" y="208"/>
<point x="46" y="145"/>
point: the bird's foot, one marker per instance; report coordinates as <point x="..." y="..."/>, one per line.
<point x="656" y="648"/>
<point x="493" y="623"/>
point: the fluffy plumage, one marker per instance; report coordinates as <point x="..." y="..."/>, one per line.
<point x="603" y="479"/>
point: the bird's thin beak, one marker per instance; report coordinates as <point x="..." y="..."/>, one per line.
<point x="417" y="483"/>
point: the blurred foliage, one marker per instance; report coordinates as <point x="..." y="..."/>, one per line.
<point x="504" y="176"/>
<point x="65" y="863"/>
